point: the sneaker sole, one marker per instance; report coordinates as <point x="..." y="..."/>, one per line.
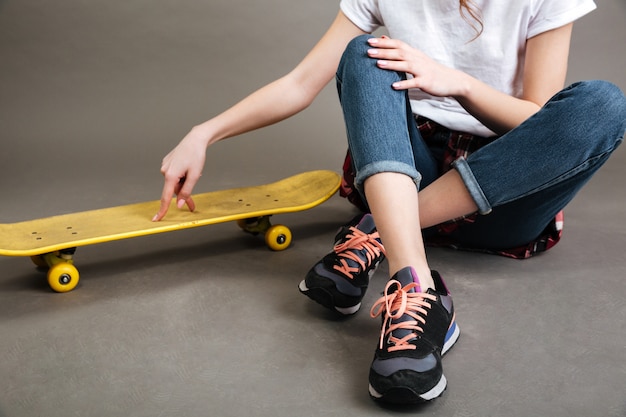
<point x="451" y="337"/>
<point x="406" y="395"/>
<point x="326" y="299"/>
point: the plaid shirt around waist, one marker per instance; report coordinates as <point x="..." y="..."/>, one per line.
<point x="447" y="146"/>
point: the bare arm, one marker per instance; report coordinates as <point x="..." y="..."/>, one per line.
<point x="277" y="101"/>
<point x="544" y="75"/>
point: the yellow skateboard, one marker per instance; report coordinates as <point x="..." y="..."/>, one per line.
<point x="51" y="241"/>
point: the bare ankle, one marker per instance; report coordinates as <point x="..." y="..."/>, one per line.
<point x="425" y="279"/>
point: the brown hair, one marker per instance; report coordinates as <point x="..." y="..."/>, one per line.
<point x="468" y="8"/>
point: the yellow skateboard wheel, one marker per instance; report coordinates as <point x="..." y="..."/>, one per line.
<point x="63" y="277"/>
<point x="278" y="237"/>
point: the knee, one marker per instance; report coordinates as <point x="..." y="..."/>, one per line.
<point x="356" y="66"/>
<point x="611" y="104"/>
<point x="357" y="47"/>
<point x="614" y="103"/>
<point x="600" y="106"/>
<point x="355" y="54"/>
<point x="602" y="100"/>
<point x="592" y="112"/>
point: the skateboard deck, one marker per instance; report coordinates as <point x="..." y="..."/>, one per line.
<point x="51" y="241"/>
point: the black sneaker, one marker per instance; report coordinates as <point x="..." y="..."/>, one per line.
<point x="340" y="279"/>
<point x="418" y="328"/>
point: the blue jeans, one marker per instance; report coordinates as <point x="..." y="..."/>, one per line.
<point x="519" y="182"/>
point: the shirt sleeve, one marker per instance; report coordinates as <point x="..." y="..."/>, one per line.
<point x="363" y="13"/>
<point x="551" y="14"/>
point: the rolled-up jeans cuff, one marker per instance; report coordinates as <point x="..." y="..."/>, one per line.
<point x="472" y="185"/>
<point x="386" y="166"/>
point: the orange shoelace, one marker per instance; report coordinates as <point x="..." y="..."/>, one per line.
<point x="397" y="304"/>
<point x="357" y="241"/>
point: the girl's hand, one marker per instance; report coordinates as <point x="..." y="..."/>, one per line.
<point x="428" y="75"/>
<point x="182" y="168"/>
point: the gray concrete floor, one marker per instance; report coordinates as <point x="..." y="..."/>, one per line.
<point x="208" y="322"/>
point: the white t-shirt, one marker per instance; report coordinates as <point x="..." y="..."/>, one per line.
<point x="437" y="28"/>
